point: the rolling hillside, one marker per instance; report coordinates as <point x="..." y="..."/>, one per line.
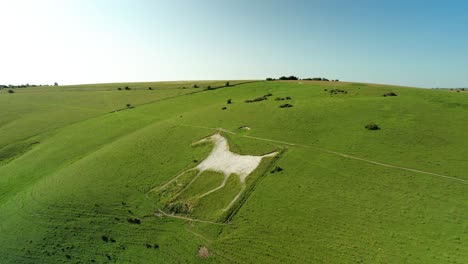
<point x="84" y="177"/>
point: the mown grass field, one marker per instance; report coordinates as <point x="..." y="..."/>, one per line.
<point x="76" y="175"/>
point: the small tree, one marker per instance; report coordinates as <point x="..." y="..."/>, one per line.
<point x="129" y="105"/>
<point x="119" y="89"/>
<point x="11" y="91"/>
<point x="229" y="101"/>
<point x="127" y="88"/>
<point x="55" y="84"/>
<point x="227" y="84"/>
<point x="150" y="88"/>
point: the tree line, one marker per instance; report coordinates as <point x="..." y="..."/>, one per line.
<point x="294" y="78"/>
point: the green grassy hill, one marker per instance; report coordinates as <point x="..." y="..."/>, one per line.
<point x="80" y="173"/>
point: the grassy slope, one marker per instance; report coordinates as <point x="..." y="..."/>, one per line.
<point x="84" y="180"/>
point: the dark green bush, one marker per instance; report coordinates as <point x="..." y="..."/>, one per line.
<point x="286" y="105"/>
<point x="390" y="94"/>
<point x="229" y="101"/>
<point x="276" y="169"/>
<point x="258" y="99"/>
<point x="337" y="91"/>
<point x="134" y="221"/>
<point x="372" y="126"/>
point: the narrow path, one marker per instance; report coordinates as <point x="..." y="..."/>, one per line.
<point x="338" y="154"/>
<point x="187" y="218"/>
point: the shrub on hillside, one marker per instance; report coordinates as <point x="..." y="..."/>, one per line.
<point x="127" y="88"/>
<point x="390" y="94"/>
<point x="372" y="126"/>
<point x="194" y="86"/>
<point x="229" y="101"/>
<point x="178" y="207"/>
<point x="270" y="79"/>
<point x="258" y="99"/>
<point x="134" y="221"/>
<point x="338" y="91"/>
<point x="129" y="105"/>
<point x="282" y="98"/>
<point x="276" y="169"/>
<point x="150" y="88"/>
<point x="11" y="91"/>
<point x="286" y="105"/>
<point x="290" y="78"/>
<point x="119" y="88"/>
<point x="224" y="108"/>
<point x="227" y="84"/>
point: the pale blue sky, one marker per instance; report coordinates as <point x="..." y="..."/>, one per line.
<point x="415" y="43"/>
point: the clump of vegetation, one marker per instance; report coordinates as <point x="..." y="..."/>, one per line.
<point x="258" y="99"/>
<point x="372" y="126"/>
<point x="119" y="89"/>
<point x="227" y="84"/>
<point x="270" y="79"/>
<point x="229" y="101"/>
<point x="105" y="238"/>
<point x="179" y="207"/>
<point x="134" y="221"/>
<point x="11" y="91"/>
<point x="194" y="86"/>
<point x="150" y="88"/>
<point x="129" y="106"/>
<point x="290" y="78"/>
<point x="276" y="169"/>
<point x="337" y="91"/>
<point x="390" y="94"/>
<point x="127" y="88"/>
<point x="286" y="105"/>
<point x="282" y="98"/>
<point x="224" y="108"/>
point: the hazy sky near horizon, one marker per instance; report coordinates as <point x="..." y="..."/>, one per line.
<point x="414" y="43"/>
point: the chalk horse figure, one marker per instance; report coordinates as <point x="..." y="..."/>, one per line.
<point x="222" y="160"/>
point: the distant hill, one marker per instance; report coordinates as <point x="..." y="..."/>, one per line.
<point x="353" y="173"/>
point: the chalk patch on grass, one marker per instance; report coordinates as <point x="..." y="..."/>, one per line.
<point x="222" y="160"/>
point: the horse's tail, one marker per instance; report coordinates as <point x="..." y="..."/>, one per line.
<point x="272" y="154"/>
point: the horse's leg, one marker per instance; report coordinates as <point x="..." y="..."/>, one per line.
<point x="171" y="181"/>
<point x="235" y="198"/>
<point x="217" y="188"/>
<point x="188" y="185"/>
